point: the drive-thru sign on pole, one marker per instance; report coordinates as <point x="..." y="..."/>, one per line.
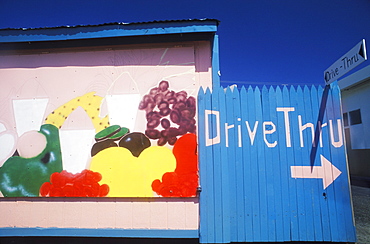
<point x="348" y="61"/>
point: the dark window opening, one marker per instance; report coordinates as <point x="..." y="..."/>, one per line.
<point x="345" y="119"/>
<point x="355" y="117"/>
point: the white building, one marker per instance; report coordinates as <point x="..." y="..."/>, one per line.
<point x="355" y="90"/>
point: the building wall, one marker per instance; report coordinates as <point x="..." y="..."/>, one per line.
<point x="59" y="77"/>
<point x="355" y="101"/>
<point x="100" y="214"/>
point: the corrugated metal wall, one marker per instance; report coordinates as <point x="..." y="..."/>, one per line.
<point x="252" y="145"/>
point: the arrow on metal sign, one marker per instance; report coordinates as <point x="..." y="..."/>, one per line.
<point x="327" y="172"/>
<point x="362" y="51"/>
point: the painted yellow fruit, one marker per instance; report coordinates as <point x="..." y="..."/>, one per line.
<point x="129" y="176"/>
<point x="89" y="102"/>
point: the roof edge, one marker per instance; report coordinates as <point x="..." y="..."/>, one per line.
<point x="355" y="79"/>
<point x="117" y="29"/>
<point x="114" y="23"/>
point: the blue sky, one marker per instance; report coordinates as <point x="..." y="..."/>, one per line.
<point x="271" y="42"/>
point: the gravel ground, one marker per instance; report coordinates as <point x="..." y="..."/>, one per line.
<point x="361" y="208"/>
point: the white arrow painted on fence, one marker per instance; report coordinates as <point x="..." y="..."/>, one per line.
<point x="327" y="172"/>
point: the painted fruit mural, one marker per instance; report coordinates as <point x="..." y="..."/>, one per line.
<point x="22" y="176"/>
<point x="118" y="123"/>
<point x="160" y="161"/>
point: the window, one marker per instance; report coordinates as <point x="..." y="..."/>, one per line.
<point x="355" y="117"/>
<point x="345" y="119"/>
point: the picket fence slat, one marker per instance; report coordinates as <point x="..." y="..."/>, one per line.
<point x="292" y="190"/>
<point x="276" y="170"/>
<point x="210" y="175"/>
<point x="230" y="145"/>
<point x="217" y="175"/>
<point x="261" y="153"/>
<point x="284" y="169"/>
<point x="262" y="185"/>
<point x="323" y="94"/>
<point x="317" y="197"/>
<point x="296" y="149"/>
<point x="254" y="199"/>
<point x="321" y="234"/>
<point x="306" y="146"/>
<point x="239" y="167"/>
<point x="225" y="174"/>
<point x="269" y="168"/>
<point x="247" y="172"/>
<point x="204" y="200"/>
<point x="330" y="193"/>
<point x="333" y="129"/>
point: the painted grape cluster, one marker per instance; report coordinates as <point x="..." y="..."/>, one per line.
<point x="169" y="114"/>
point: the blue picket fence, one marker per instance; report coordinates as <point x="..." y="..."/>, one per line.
<point x="253" y="145"/>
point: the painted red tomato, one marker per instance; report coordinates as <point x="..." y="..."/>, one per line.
<point x="65" y="184"/>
